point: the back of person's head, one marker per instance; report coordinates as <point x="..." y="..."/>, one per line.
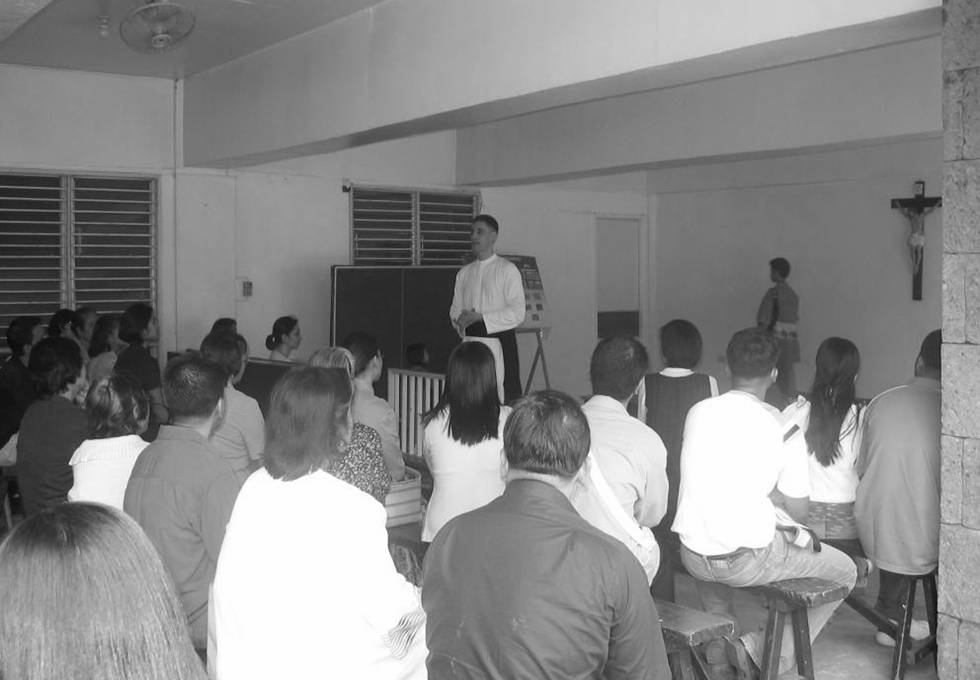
<point x="224" y="325"/>
<point x="116" y="406"/>
<point x="752" y="353"/>
<point x="831" y="397"/>
<point x="780" y="265"/>
<point x="64" y="321"/>
<point x="20" y="334"/>
<point x="85" y="595"/>
<point x="105" y="326"/>
<point x="364" y="348"/>
<point x="134" y="321"/>
<point x="547" y="433"/>
<point x="617" y="367"/>
<point x="470" y="394"/>
<point x="680" y="344"/>
<point x="308" y="420"/>
<point x="333" y="357"/>
<point x="222" y="349"/>
<point x="929" y="362"/>
<point x="415" y="354"/>
<point x="56" y="363"/>
<point x="192" y="387"/>
<point x="282" y="327"/>
<point x="488" y="220"/>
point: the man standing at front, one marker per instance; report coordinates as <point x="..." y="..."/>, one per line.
<point x="524" y="587"/>
<point x="488" y="300"/>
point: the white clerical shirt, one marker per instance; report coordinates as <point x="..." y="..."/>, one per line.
<point x="492" y="287"/>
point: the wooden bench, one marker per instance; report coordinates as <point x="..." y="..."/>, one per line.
<point x="684" y="629"/>
<point x="793" y="597"/>
<point x="907" y="651"/>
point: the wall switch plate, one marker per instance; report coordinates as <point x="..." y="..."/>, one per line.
<point x="243" y="288"/>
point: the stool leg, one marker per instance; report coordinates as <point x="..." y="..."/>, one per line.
<point x="902" y="639"/>
<point x="801" y="642"/>
<point x="682" y="668"/>
<point x="929" y="592"/>
<point x="774" y="642"/>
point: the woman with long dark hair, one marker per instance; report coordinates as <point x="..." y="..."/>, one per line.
<point x="139" y="329"/>
<point x="305" y="587"/>
<point x="85" y="596"/>
<point x="105" y="347"/>
<point x="829" y="429"/>
<point x="463" y="438"/>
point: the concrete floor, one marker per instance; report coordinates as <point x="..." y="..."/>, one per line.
<point x="846" y="648"/>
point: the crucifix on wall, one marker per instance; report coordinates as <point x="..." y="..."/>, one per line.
<point x="916" y="209"/>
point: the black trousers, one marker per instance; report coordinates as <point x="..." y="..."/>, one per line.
<point x="891" y="586"/>
<point x="512" y="365"/>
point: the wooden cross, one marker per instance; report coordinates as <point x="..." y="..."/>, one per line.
<point x="916" y="209"/>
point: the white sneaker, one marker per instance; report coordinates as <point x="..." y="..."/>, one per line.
<point x="919" y="630"/>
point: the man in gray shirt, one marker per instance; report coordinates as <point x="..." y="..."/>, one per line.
<point x="181" y="491"/>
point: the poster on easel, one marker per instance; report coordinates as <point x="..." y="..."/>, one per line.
<point x="537" y="316"/>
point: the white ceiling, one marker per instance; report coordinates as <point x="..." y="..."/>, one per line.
<point x="65" y="33"/>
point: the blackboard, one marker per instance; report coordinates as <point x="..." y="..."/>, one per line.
<point x="398" y="306"/>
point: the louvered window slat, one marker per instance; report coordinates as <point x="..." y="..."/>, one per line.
<point x="410" y="227"/>
<point x="68" y="241"/>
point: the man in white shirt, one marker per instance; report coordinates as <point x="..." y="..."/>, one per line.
<point x="488" y="300"/>
<point x="732" y="461"/>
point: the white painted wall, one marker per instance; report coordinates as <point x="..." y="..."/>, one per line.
<point x="714" y="228"/>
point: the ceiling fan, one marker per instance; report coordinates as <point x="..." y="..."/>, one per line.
<point x="156" y="26"/>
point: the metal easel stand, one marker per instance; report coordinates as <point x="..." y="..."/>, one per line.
<point x="538" y="355"/>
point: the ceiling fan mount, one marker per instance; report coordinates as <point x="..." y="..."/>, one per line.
<point x="156" y="26"/>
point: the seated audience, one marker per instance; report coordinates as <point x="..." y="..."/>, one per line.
<point x="138" y="328"/>
<point x="897" y="506"/>
<point x="825" y="427"/>
<point x="120" y="622"/>
<point x="225" y="325"/>
<point x="625" y="492"/>
<point x="117" y="411"/>
<point x="104" y="348"/>
<point x="417" y="357"/>
<point x="181" y="491"/>
<point x="53" y="426"/>
<point x="305" y="587"/>
<point x="524" y="587"/>
<point x="240" y="438"/>
<point x="88" y="316"/>
<point x="368" y="408"/>
<point x="17" y="389"/>
<point x="731" y="533"/>
<point x="462" y="440"/>
<point x="363" y="464"/>
<point x="65" y="323"/>
<point x="670" y="394"/>
<point x="284" y="339"/>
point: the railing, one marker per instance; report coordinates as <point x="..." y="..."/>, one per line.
<point x="411" y="394"/>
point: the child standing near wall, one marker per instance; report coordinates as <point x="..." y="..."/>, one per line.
<point x="669" y="395"/>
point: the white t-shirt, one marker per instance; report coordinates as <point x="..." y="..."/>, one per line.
<point x="837" y="482"/>
<point x="464" y="477"/>
<point x="305" y="587"/>
<point x="102" y="468"/>
<point x="732" y="459"/>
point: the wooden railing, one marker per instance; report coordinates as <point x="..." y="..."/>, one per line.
<point x="411" y="394"/>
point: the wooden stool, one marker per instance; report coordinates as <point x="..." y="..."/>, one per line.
<point x="907" y="651"/>
<point x="793" y="597"/>
<point x="684" y="629"/>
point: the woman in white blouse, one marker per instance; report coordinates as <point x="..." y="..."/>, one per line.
<point x="462" y="440"/>
<point x="118" y="410"/>
<point x="829" y="422"/>
<point x="305" y="587"/>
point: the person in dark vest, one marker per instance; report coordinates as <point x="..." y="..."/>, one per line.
<point x="669" y="395"/>
<point x="779" y="312"/>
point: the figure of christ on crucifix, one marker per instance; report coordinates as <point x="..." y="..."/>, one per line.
<point x="916" y="209"/>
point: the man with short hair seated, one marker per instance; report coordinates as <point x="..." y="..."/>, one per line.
<point x="731" y="533"/>
<point x="626" y="492"/>
<point x="181" y="491"/>
<point x="897" y="505"/>
<point x="524" y="587"/>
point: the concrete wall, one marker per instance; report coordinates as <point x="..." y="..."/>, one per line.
<point x="714" y="229"/>
<point x="959" y="548"/>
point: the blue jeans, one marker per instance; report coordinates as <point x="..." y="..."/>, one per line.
<point x="778" y="561"/>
